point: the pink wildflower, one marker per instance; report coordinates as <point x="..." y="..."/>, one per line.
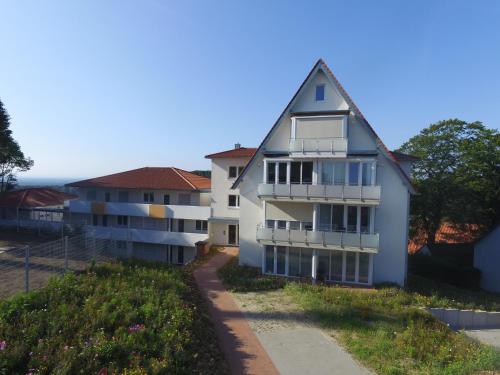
<point x="3" y="345"/>
<point x="136" y="328"/>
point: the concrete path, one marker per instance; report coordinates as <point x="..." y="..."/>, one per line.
<point x="242" y="349"/>
<point x="306" y="350"/>
<point x="486" y="336"/>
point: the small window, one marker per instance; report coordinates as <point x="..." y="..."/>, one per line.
<point x="122" y="220"/>
<point x="281" y="224"/>
<point x="201" y="225"/>
<point x="95" y="220"/>
<point x="185" y="199"/>
<point x="180" y="254"/>
<point x="240" y="170"/>
<point x="270" y="224"/>
<point x="234" y="200"/>
<point x="166" y="199"/>
<point x="123" y="196"/>
<point x="271" y="173"/>
<point x="149" y="197"/>
<point x="104" y="220"/>
<point x="320" y="93"/>
<point x="107" y="196"/>
<point x="180" y="225"/>
<point x="233" y="171"/>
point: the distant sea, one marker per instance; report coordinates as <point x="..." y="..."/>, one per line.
<point x="44" y="181"/>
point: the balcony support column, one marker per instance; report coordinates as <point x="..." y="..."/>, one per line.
<point x="315" y="215"/>
<point x="314" y="266"/>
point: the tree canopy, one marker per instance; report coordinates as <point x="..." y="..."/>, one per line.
<point x="457" y="175"/>
<point x="12" y="159"/>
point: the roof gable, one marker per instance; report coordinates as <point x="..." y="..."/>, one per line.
<point x="316" y="74"/>
<point x="241" y="152"/>
<point x="34" y="197"/>
<point x="169" y="178"/>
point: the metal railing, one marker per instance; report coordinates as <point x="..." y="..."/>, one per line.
<point x="307" y="191"/>
<point x="322" y="238"/>
<point x="319" y="146"/>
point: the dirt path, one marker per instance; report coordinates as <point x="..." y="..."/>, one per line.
<point x="241" y="347"/>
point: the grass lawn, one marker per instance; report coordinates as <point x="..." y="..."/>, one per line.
<point x="129" y="317"/>
<point x="385" y="328"/>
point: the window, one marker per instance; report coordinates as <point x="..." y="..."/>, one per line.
<point x="123" y="196"/>
<point x="104" y="220"/>
<point x="352" y="219"/>
<point x="269" y="265"/>
<point x="95" y="220"/>
<point x="366" y="174"/>
<point x="91" y="195"/>
<point x="354" y="173"/>
<point x="270" y="224"/>
<point x="180" y="225"/>
<point x="166" y="199"/>
<point x="365" y="219"/>
<point x="307" y="225"/>
<point x="180" y="254"/>
<point x="332" y="172"/>
<point x="363" y="268"/>
<point x="149" y="197"/>
<point x="282" y="167"/>
<point x="122" y="221"/>
<point x="336" y="265"/>
<point x="201" y="225"/>
<point x="107" y="196"/>
<point x="294" y="225"/>
<point x="281" y="260"/>
<point x="271" y="173"/>
<point x="307" y="172"/>
<point x="295" y="167"/>
<point x="320" y="93"/>
<point x="185" y="199"/>
<point x="350" y="267"/>
<point x="281" y="224"/>
<point x="234" y="201"/>
<point x="305" y="262"/>
<point x="121" y="245"/>
<point x="233" y="172"/>
<point x="294" y="261"/>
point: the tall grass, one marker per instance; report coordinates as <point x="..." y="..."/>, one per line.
<point x="131" y="317"/>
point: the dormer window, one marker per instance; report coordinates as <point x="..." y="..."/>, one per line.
<point x="320" y="93"/>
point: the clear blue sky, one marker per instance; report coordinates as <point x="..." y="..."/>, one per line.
<point x="95" y="87"/>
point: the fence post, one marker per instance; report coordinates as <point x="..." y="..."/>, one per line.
<point x="65" y="243"/>
<point x="27" y="268"/>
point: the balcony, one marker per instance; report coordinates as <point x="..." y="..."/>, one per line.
<point x="141" y="209"/>
<point x="147" y="236"/>
<point x="318" y="239"/>
<point x="369" y="195"/>
<point x="326" y="147"/>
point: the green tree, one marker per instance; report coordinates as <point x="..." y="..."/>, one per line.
<point x="12" y="159"/>
<point x="457" y="175"/>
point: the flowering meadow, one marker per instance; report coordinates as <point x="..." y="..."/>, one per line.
<point x="131" y="317"/>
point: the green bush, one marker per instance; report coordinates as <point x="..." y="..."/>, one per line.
<point x="133" y="317"/>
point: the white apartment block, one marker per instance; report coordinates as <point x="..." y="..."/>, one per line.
<point x="322" y="197"/>
<point x="224" y="218"/>
<point x="150" y="213"/>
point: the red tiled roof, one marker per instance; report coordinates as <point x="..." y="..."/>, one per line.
<point x="34" y="197"/>
<point x="242" y="152"/>
<point x="446" y="234"/>
<point x="149" y="178"/>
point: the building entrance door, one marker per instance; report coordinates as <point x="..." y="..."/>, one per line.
<point x="232" y="234"/>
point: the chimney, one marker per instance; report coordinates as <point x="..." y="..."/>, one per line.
<point x="237" y="146"/>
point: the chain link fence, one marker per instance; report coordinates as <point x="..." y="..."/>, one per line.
<point x="30" y="267"/>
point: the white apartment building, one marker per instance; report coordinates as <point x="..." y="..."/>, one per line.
<point x="150" y="213"/>
<point x="322" y="197"/>
<point x="223" y="223"/>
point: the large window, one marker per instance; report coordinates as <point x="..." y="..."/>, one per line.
<point x="301" y="172"/>
<point x="201" y="225"/>
<point x="354" y="173"/>
<point x="331" y="217"/>
<point x="337" y="259"/>
<point x="271" y="173"/>
<point x="350" y="266"/>
<point x="364" y="266"/>
<point x="365" y="219"/>
<point x="269" y="265"/>
<point x="282" y="167"/>
<point x="281" y="260"/>
<point x="294" y="261"/>
<point x="122" y="221"/>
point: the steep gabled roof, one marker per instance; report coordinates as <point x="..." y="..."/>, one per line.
<point x="169" y="178"/>
<point x="320" y="64"/>
<point x="241" y="152"/>
<point x="34" y="197"/>
<point x="399" y="156"/>
<point x="447" y="234"/>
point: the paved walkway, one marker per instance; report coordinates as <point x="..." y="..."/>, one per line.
<point x="241" y="347"/>
<point x="486" y="336"/>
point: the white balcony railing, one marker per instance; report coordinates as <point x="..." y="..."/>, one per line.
<point x="143" y="209"/>
<point x="315" y="239"/>
<point x="325" y="146"/>
<point x="323" y="192"/>
<point x="146" y="235"/>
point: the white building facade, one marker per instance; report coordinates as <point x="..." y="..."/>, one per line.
<point x="487" y="260"/>
<point x="150" y="213"/>
<point x="322" y="197"/>
<point x="225" y="202"/>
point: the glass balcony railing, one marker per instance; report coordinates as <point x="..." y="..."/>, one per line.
<point x="305" y="238"/>
<point x="330" y="146"/>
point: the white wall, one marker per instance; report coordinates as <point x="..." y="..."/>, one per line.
<point x="487" y="259"/>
